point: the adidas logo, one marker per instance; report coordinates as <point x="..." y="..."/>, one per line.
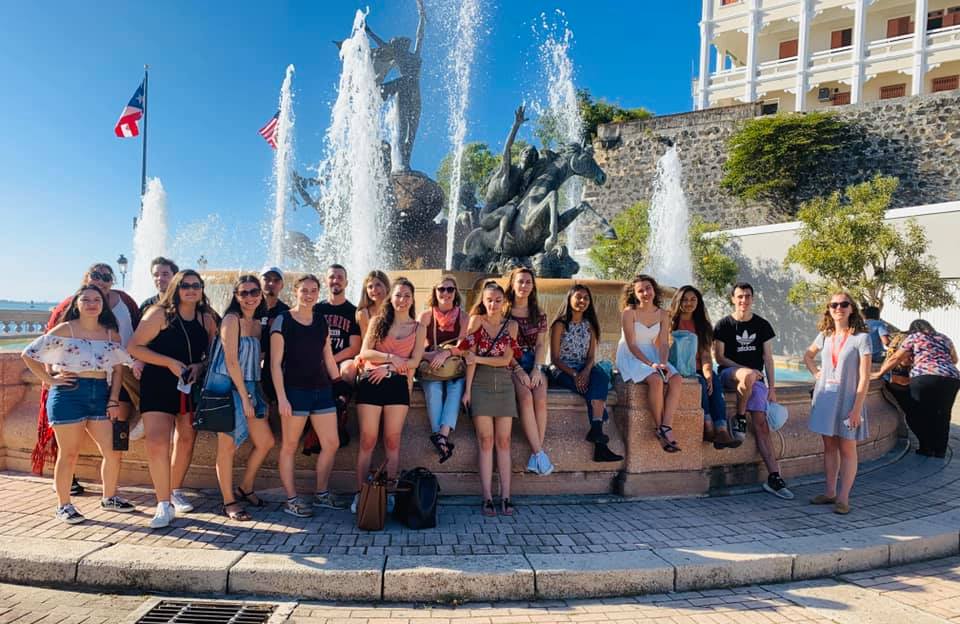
<point x="746" y="339"/>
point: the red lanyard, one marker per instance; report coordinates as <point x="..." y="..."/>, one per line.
<point x="834" y="351"/>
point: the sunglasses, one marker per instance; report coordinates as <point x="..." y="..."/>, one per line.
<point x="446" y="289"/>
<point x="253" y="292"/>
<point x="191" y="286"/>
<point x="839" y="304"/>
<point x="101" y="277"/>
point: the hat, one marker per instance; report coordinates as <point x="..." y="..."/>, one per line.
<point x="776" y="416"/>
<point x="271" y="269"/>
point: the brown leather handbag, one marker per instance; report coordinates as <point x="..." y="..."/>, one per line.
<point x="454" y="367"/>
<point x="372" y="508"/>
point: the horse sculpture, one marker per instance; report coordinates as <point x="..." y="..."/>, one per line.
<point x="534" y="232"/>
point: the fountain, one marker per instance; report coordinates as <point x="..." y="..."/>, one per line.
<point x="282" y="160"/>
<point x="668" y="255"/>
<point x="149" y="239"/>
<point x="460" y="60"/>
<point x="354" y="177"/>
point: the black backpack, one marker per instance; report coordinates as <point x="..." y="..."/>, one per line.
<point x="417" y="495"/>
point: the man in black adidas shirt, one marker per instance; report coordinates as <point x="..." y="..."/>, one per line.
<point x="341" y="317"/>
<point x="743" y="347"/>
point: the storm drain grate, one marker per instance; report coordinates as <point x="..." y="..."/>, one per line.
<point x="188" y="612"/>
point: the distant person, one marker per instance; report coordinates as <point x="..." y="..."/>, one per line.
<point x="127" y="315"/>
<point x="879" y="332"/>
<point x="172" y="340"/>
<point x="272" y="280"/>
<point x="341" y="317"/>
<point x="934" y="382"/>
<point x="574" y="335"/>
<point x="838" y="413"/>
<point x="528" y="378"/>
<point x="392" y="349"/>
<point x="446" y="325"/>
<point x="743" y="348"/>
<point x="81" y="361"/>
<point x="492" y="348"/>
<point x="162" y="270"/>
<point x="642" y="354"/>
<point x="688" y="313"/>
<point x="235" y="369"/>
<point x="305" y="371"/>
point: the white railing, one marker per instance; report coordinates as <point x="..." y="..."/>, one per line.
<point x="830" y="57"/>
<point x="728" y="76"/>
<point x="778" y="67"/>
<point x="943" y="37"/>
<point x="891" y="46"/>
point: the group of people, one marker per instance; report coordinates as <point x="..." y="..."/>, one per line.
<point x="307" y="361"/>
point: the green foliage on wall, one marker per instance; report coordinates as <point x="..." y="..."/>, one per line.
<point x="593" y="113"/>
<point x="477" y="164"/>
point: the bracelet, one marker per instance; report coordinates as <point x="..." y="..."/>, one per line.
<point x="113" y="404"/>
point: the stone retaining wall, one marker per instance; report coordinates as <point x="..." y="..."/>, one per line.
<point x="914" y="138"/>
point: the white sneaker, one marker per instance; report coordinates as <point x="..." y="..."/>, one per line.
<point x="164" y="516"/>
<point x="356" y="501"/>
<point x="180" y="502"/>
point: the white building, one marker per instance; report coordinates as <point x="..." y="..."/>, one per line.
<point x="798" y="55"/>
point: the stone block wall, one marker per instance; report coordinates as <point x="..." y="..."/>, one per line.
<point x="914" y="138"/>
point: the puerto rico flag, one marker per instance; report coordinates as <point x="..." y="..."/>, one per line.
<point x="132" y="113"/>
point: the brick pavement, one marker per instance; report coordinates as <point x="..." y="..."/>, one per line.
<point x="930" y="589"/>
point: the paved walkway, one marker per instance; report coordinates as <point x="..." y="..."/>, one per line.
<point x="920" y="593"/>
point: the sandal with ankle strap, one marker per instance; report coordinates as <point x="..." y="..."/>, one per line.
<point x="236" y="511"/>
<point x="506" y="507"/>
<point x="250" y="498"/>
<point x="443" y="445"/>
<point x="487" y="509"/>
<point x="669" y="446"/>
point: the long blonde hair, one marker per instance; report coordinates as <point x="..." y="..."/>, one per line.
<point x="857" y="324"/>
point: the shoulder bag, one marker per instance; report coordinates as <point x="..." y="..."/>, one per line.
<point x="452" y="368"/>
<point x="213" y="412"/>
<point x="372" y="507"/>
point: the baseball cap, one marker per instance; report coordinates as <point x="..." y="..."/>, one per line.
<point x="271" y="269"/>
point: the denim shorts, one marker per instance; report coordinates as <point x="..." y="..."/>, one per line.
<point x="304" y="402"/>
<point x="219" y="383"/>
<point x="85" y="399"/>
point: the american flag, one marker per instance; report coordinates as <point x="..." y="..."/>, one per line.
<point x="269" y="131"/>
<point x="132" y="113"/>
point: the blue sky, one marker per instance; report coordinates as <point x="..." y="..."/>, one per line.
<point x="69" y="188"/>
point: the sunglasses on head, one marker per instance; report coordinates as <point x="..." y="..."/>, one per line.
<point x="253" y="292"/>
<point x="101" y="276"/>
<point x="446" y="289"/>
<point x="839" y="304"/>
<point x="191" y="286"/>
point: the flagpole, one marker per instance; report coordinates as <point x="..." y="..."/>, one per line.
<point x="143" y="164"/>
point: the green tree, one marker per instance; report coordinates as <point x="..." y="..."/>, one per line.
<point x="785" y="159"/>
<point x="845" y="242"/>
<point x="478" y="163"/>
<point x="623" y="257"/>
<point x="592" y="113"/>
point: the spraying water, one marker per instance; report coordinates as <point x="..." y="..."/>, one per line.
<point x="282" y="160"/>
<point x="460" y="61"/>
<point x="149" y="239"/>
<point x="353" y="197"/>
<point x="391" y="127"/>
<point x="562" y="109"/>
<point x="669" y="246"/>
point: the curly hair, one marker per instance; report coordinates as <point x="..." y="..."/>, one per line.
<point x="382" y="323"/>
<point x="628" y="298"/>
<point x="170" y="300"/>
<point x="105" y="318"/>
<point x="857" y="324"/>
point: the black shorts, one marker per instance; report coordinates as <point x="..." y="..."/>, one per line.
<point x="391" y="391"/>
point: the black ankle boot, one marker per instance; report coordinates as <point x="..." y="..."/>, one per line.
<point x="602" y="453"/>
<point x="596" y="434"/>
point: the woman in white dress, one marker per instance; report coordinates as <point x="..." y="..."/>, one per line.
<point x="642" y="353"/>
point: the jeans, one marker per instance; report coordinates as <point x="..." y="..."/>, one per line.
<point x="596" y="390"/>
<point x="443" y="410"/>
<point x="712" y="404"/>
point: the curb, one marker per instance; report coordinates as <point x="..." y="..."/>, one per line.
<point x="475" y="577"/>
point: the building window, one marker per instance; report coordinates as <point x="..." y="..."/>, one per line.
<point x="841" y="38"/>
<point x="726" y="2"/>
<point x="952" y="17"/>
<point x="935" y="20"/>
<point x="893" y="91"/>
<point x="839" y="99"/>
<point x="947" y="83"/>
<point x="899" y="27"/>
<point x="788" y="49"/>
<point x="770" y="107"/>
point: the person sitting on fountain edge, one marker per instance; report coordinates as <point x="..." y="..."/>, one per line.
<point x="341" y="317"/>
<point x="743" y="349"/>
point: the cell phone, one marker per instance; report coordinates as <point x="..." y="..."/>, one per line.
<point x="121" y="435"/>
<point x="846" y="422"/>
<point x="185" y="376"/>
<point x="663" y="374"/>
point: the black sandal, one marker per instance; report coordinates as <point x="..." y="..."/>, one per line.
<point x="669" y="446"/>
<point x="443" y="445"/>
<point x="250" y="498"/>
<point x="239" y="513"/>
<point x="506" y="507"/>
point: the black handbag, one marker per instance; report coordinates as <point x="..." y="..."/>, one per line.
<point x="212" y="411"/>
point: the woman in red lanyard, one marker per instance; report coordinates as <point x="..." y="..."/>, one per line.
<point x="838" y="412"/>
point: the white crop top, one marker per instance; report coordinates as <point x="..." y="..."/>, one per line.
<point x="78" y="355"/>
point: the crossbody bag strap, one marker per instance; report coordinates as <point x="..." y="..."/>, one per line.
<point x="496" y="338"/>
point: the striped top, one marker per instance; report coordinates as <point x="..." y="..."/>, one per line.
<point x="249" y="358"/>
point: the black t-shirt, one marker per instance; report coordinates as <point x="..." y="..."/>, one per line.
<point x="149" y="301"/>
<point x="303" y="365"/>
<point x="743" y="340"/>
<point x="341" y="322"/>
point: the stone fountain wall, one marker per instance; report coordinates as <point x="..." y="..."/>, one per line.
<point x="914" y="138"/>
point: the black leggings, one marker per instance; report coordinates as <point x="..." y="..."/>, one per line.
<point x="934" y="396"/>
